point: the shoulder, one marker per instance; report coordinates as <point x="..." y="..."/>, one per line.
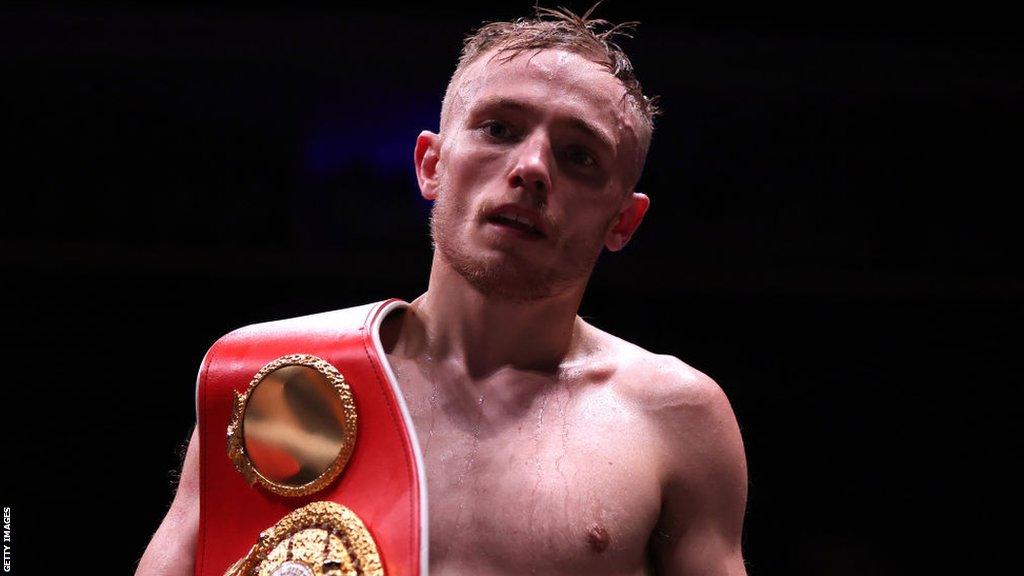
<point x="687" y="410"/>
<point x="331" y="323"/>
<point x="699" y="459"/>
<point x="663" y="385"/>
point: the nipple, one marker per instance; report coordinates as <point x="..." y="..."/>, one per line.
<point x="598" y="539"/>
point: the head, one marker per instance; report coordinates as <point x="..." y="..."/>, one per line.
<point x="544" y="132"/>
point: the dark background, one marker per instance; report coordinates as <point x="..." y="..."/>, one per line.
<point x="832" y="238"/>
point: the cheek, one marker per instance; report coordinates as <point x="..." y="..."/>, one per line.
<point x="594" y="209"/>
<point x="586" y="230"/>
<point x="451" y="206"/>
<point x="469" y="175"/>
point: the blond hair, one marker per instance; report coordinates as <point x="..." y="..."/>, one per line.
<point x="560" y="28"/>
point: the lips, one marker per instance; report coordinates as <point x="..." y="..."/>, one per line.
<point x="517" y="218"/>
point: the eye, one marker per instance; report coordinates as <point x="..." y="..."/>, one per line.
<point x="580" y="157"/>
<point x="497" y="130"/>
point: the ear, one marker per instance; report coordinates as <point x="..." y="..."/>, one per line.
<point x="629" y="219"/>
<point x="426" y="157"/>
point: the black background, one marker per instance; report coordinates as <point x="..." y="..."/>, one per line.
<point x="832" y="238"/>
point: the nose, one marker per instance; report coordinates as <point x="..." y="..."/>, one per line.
<point x="532" y="170"/>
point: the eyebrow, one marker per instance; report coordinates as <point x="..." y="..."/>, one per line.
<point x="578" y="124"/>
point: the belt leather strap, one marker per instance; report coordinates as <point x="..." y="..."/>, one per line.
<point x="383" y="483"/>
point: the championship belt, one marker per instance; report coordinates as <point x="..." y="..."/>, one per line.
<point x="309" y="464"/>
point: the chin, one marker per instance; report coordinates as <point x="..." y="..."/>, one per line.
<point x="511" y="277"/>
<point x="499" y="277"/>
<point x="508" y="274"/>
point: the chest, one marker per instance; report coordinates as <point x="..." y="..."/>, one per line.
<point x="559" y="479"/>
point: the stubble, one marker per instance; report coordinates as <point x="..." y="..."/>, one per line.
<point x="509" y="274"/>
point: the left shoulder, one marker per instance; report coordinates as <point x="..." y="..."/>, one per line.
<point x="686" y="408"/>
<point x="666" y="387"/>
<point x="700" y="463"/>
<point x="678" y="400"/>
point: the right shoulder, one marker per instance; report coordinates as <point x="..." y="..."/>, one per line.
<point x="172" y="549"/>
<point x="351" y="318"/>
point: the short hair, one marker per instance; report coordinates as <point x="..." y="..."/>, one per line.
<point x="561" y="28"/>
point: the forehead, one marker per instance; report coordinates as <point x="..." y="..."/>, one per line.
<point x="562" y="82"/>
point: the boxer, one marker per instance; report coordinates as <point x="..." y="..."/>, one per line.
<point x="549" y="446"/>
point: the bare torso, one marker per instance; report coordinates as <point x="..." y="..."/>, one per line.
<point x="532" y="471"/>
<point x="618" y="461"/>
<point x="550" y="446"/>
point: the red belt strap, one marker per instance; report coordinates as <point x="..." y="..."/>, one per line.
<point x="383" y="482"/>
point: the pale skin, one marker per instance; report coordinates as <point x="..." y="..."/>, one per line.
<point x="550" y="446"/>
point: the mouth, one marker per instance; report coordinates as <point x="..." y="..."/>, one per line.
<point x="517" y="220"/>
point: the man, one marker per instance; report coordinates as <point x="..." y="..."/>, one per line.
<point x="550" y="447"/>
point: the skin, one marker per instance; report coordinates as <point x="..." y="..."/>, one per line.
<point x="550" y="446"/>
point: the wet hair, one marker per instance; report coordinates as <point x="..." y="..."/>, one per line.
<point x="562" y="29"/>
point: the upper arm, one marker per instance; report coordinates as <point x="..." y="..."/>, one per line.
<point x="172" y="549"/>
<point x="705" y="483"/>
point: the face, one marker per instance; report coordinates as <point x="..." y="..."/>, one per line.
<point x="532" y="173"/>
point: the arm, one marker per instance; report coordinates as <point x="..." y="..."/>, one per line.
<point x="705" y="491"/>
<point x="172" y="550"/>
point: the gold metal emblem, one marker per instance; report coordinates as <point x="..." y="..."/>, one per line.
<point x="319" y="539"/>
<point x="294" y="428"/>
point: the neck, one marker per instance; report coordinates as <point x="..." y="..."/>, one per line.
<point x="454" y="321"/>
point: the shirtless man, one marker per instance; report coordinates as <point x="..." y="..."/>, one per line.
<point x="550" y="446"/>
